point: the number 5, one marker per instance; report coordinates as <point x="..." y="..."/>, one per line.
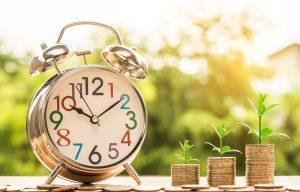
<point x="113" y="152"/>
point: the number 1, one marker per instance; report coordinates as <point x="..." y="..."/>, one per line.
<point x="79" y="145"/>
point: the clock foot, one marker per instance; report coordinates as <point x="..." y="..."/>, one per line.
<point x="132" y="173"/>
<point x="54" y="173"/>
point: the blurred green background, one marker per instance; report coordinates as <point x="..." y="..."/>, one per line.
<point x="199" y="75"/>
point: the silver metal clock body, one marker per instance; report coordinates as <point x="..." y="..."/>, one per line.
<point x="46" y="151"/>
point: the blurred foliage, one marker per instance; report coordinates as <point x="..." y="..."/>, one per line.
<point x="180" y="105"/>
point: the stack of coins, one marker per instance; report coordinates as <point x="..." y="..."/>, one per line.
<point x="221" y="171"/>
<point x="185" y="174"/>
<point x="260" y="164"/>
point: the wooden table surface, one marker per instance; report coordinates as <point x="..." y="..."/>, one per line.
<point x="32" y="181"/>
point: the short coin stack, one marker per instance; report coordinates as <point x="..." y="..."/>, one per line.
<point x="184" y="174"/>
<point x="221" y="171"/>
<point x="260" y="164"/>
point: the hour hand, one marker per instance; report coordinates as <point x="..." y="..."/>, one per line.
<point x="80" y="111"/>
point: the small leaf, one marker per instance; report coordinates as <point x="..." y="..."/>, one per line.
<point x="281" y="134"/>
<point x="235" y="151"/>
<point x="214" y="147"/>
<point x="225" y="149"/>
<point x="197" y="160"/>
<point x="186" y="145"/>
<point x="251" y="130"/>
<point x="252" y="104"/>
<point x="180" y="157"/>
<point x="217" y="131"/>
<point x="181" y="146"/>
<point x="271" y="107"/>
<point x="265" y="132"/>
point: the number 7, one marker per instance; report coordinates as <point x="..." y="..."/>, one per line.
<point x="79" y="145"/>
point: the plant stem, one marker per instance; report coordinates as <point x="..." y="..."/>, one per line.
<point x="221" y="145"/>
<point x="259" y="131"/>
<point x="185" y="154"/>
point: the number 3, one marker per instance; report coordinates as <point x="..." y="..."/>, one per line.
<point x="132" y="118"/>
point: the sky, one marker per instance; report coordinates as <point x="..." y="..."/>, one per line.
<point x="26" y="24"/>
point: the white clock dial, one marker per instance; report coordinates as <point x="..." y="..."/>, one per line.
<point x="95" y="117"/>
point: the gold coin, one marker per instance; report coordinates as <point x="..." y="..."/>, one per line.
<point x="211" y="189"/>
<point x="271" y="190"/>
<point x="90" y="187"/>
<point x="117" y="188"/>
<point x="15" y="188"/>
<point x="34" y="190"/>
<point x="194" y="187"/>
<point x="49" y="186"/>
<point x="146" y="188"/>
<point x="267" y="186"/>
<point x="231" y="187"/>
<point x="175" y="189"/>
<point x="293" y="188"/>
<point x="66" y="188"/>
<point x="3" y="188"/>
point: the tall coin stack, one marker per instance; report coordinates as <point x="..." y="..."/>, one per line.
<point x="260" y="164"/>
<point x="185" y="174"/>
<point x="221" y="171"/>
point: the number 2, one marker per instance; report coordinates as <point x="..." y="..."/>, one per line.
<point x="79" y="145"/>
<point x="127" y="98"/>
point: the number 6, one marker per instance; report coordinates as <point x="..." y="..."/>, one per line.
<point x="95" y="153"/>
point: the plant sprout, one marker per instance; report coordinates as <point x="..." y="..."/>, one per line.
<point x="222" y="132"/>
<point x="185" y="157"/>
<point x="261" y="109"/>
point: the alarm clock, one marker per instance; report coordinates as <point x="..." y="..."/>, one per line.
<point x="88" y="123"/>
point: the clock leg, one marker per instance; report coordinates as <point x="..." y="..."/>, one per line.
<point x="55" y="172"/>
<point x="132" y="173"/>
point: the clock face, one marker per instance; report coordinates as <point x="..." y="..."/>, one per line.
<point x="95" y="117"/>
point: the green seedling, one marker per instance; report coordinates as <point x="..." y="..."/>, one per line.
<point x="261" y="109"/>
<point x="185" y="157"/>
<point x="222" y="132"/>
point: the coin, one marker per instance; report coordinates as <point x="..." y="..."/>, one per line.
<point x="267" y="186"/>
<point x="211" y="189"/>
<point x="3" y="188"/>
<point x="66" y="188"/>
<point x="271" y="190"/>
<point x="34" y="190"/>
<point x="146" y="188"/>
<point x="175" y="189"/>
<point x="49" y="186"/>
<point x="91" y="187"/>
<point x="15" y="188"/>
<point x="246" y="189"/>
<point x="293" y="188"/>
<point x="117" y="188"/>
<point x="194" y="187"/>
<point x="231" y="187"/>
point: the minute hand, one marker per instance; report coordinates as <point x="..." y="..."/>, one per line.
<point x="110" y="107"/>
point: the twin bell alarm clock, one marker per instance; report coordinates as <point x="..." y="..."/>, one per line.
<point x="88" y="123"/>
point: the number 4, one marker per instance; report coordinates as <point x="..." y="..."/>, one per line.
<point x="126" y="138"/>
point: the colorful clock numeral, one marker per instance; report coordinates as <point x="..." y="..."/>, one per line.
<point x="75" y="87"/>
<point x="126" y="101"/>
<point x="54" y="119"/>
<point x="113" y="151"/>
<point x="126" y="138"/>
<point x="95" y="157"/>
<point x="79" y="145"/>
<point x="63" y="137"/>
<point x="111" y="89"/>
<point x="63" y="103"/>
<point x="131" y="114"/>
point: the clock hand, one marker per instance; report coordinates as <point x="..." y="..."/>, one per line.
<point x="110" y="107"/>
<point x="84" y="101"/>
<point x="80" y="111"/>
